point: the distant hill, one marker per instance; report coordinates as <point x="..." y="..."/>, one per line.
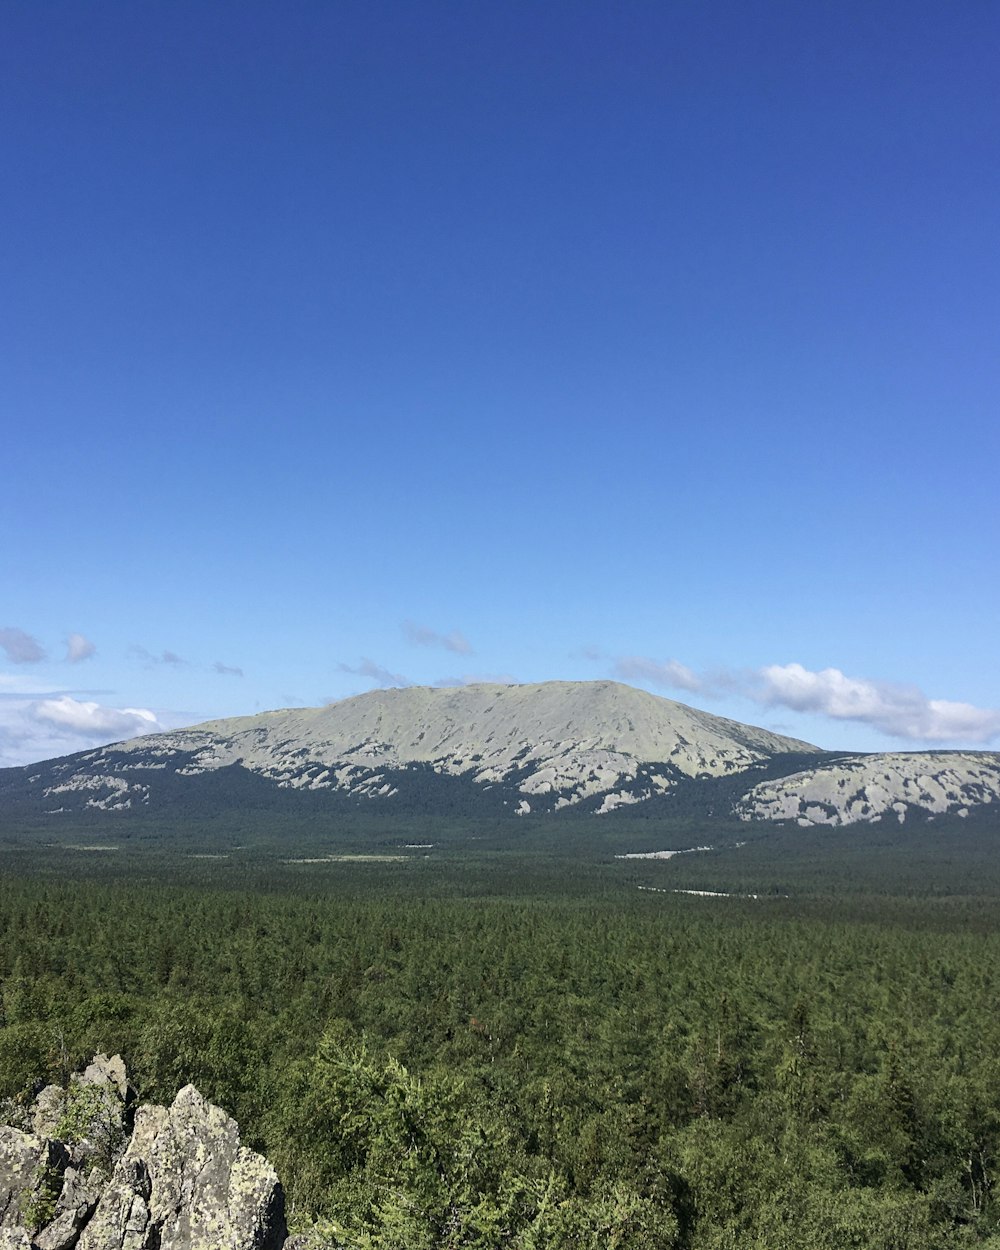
<point x="590" y="747"/>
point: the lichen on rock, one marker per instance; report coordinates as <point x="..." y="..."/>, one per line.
<point x="181" y="1181"/>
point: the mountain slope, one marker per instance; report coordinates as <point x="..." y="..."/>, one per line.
<point x="870" y="787"/>
<point x="489" y="750"/>
<point x="545" y="746"/>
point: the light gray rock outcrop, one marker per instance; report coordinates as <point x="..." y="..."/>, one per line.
<point x="30" y="1168"/>
<point x="183" y="1181"/>
<point x="873" y="787"/>
<point x="14" y="1239"/>
<point x="74" y="1206"/>
<point x="186" y="1183"/>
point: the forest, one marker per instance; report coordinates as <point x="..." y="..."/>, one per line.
<point x="443" y="1038"/>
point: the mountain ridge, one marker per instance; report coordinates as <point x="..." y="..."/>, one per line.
<point x="546" y="747"/>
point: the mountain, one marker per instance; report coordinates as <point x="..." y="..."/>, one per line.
<point x="584" y="746"/>
<point x="870" y="787"/>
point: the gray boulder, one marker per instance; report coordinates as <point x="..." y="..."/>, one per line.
<point x="186" y="1183"/>
<point x="77" y="1199"/>
<point x="31" y="1169"/>
<point x="14" y="1239"/>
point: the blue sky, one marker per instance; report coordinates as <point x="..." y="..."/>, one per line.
<point x="360" y="343"/>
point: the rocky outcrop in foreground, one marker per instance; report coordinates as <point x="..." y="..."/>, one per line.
<point x="73" y="1177"/>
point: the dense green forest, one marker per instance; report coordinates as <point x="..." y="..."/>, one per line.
<point x="512" y="1038"/>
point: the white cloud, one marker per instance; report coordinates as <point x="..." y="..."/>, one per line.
<point x="79" y="648"/>
<point x="423" y="636"/>
<point x="375" y="672"/>
<point x="92" y="720"/>
<point x="21" y="648"/>
<point x="896" y="710"/>
<point x="33" y="728"/>
<point x="900" y="711"/>
<point x="669" y="673"/>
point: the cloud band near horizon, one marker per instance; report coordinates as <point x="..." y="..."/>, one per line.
<point x="896" y="710"/>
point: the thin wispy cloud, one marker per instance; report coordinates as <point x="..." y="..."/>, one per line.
<point x="21" y="686"/>
<point x="668" y="674"/>
<point x="424" y="636"/>
<point x="375" y="672"/>
<point x="226" y="670"/>
<point x="173" y="660"/>
<point x="147" y="657"/>
<point x="79" y="648"/>
<point x="477" y="679"/>
<point x="19" y="647"/>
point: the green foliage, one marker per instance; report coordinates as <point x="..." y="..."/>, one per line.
<point x="38" y="1204"/>
<point x="523" y="1049"/>
<point x="92" y="1115"/>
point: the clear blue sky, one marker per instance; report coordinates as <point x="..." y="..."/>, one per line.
<point x="376" y="342"/>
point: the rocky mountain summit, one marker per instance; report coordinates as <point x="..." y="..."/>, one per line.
<point x="590" y="747"/>
<point x="87" y="1170"/>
